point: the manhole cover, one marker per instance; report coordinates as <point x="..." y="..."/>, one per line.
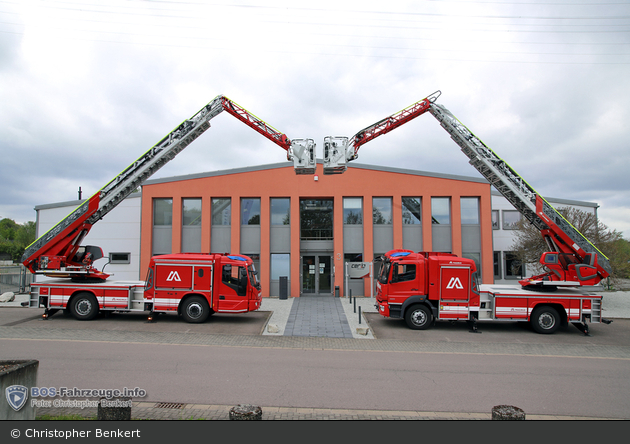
<point x="169" y="405"/>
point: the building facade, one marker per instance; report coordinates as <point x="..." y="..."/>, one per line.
<point x="307" y="227"/>
<point x="304" y="228"/>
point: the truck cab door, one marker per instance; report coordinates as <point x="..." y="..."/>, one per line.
<point x="405" y="281"/>
<point x="233" y="289"/>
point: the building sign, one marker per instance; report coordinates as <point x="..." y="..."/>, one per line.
<point x="358" y="270"/>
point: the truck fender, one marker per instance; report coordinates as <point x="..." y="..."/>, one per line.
<point x="417" y="299"/>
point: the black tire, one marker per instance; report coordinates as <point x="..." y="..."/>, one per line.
<point x="545" y="320"/>
<point x="195" y="310"/>
<point x="418" y="317"/>
<point x="84" y="306"/>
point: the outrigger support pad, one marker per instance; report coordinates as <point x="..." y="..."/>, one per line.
<point x="472" y="323"/>
<point x="583" y="327"/>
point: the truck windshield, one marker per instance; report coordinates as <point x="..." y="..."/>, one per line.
<point x="384" y="272"/>
<point x="253" y="278"/>
<point x="149" y="283"/>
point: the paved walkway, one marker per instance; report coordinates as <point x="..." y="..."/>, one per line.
<point x="319" y="316"/>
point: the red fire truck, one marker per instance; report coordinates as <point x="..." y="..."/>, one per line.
<point x="193" y="285"/>
<point x="427" y="286"/>
<point x="423" y="287"/>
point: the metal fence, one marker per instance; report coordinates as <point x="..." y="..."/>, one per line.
<point x="15" y="278"/>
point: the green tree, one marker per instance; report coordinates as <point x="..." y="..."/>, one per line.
<point x="529" y="245"/>
<point x="14" y="238"/>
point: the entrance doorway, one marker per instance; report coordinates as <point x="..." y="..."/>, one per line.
<point x="317" y="274"/>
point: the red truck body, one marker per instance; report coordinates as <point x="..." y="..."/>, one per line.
<point x="425" y="287"/>
<point x="193" y="285"/>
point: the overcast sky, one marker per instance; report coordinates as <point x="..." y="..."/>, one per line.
<point x="87" y="86"/>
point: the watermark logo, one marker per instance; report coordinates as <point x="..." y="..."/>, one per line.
<point x="16" y="396"/>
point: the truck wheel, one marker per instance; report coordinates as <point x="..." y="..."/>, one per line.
<point x="195" y="310"/>
<point x="84" y="306"/>
<point x="545" y="319"/>
<point x="418" y="317"/>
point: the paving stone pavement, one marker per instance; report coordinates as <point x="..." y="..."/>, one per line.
<point x="178" y="411"/>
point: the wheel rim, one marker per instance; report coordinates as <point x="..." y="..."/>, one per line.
<point x="419" y="317"/>
<point x="546" y="321"/>
<point x="194" y="310"/>
<point x="84" y="307"/>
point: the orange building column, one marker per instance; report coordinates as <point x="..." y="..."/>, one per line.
<point x="427" y="223"/>
<point x="235" y="226"/>
<point x="176" y="227"/>
<point x="206" y="223"/>
<point x="338" y="245"/>
<point x="487" y="245"/>
<point x="265" y="248"/>
<point x="368" y="238"/>
<point x="295" y="245"/>
<point x="456" y="225"/>
<point x="397" y="222"/>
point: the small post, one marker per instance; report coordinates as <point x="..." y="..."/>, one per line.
<point x="359" y="314"/>
<point x="114" y="409"/>
<point x="245" y="412"/>
<point x="355" y="305"/>
<point x="507" y="413"/>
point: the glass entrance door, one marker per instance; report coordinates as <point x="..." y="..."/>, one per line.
<point x="317" y="276"/>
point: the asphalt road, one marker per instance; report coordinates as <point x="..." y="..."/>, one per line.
<point x="228" y="361"/>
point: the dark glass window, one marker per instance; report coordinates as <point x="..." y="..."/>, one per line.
<point x="250" y="211"/>
<point x="221" y="211"/>
<point x="352" y="210"/>
<point x="470" y="210"/>
<point x="191" y="212"/>
<point x="382" y="210"/>
<point x="162" y="211"/>
<point x="411" y="210"/>
<point x="441" y="210"/>
<point x="316" y="219"/>
<point x="511" y="219"/>
<point x="280" y="211"/>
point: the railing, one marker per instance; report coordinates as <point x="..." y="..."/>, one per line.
<point x="15" y="278"/>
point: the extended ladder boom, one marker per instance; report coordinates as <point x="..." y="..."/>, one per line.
<point x="560" y="235"/>
<point x="339" y="150"/>
<point x="58" y="251"/>
<point x="574" y="260"/>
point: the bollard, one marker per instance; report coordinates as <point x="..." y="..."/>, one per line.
<point x="245" y="412"/>
<point x="507" y="413"/>
<point x="114" y="409"/>
<point x="284" y="288"/>
<point x="350" y="296"/>
<point x="355" y="305"/>
<point x="359" y="314"/>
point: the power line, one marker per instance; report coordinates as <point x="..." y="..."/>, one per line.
<point x="83" y="7"/>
